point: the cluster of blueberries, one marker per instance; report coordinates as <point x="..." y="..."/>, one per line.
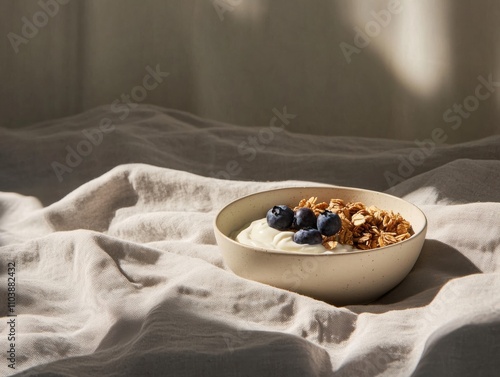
<point x="309" y="227"/>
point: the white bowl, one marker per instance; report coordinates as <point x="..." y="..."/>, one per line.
<point x="342" y="279"/>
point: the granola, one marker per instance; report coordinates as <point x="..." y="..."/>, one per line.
<point x="363" y="227"/>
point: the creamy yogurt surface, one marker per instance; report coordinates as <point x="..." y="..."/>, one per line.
<point x="259" y="234"/>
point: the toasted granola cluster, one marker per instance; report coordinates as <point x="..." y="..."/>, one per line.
<point x="362" y="227"/>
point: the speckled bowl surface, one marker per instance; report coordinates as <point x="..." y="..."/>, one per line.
<point x="357" y="277"/>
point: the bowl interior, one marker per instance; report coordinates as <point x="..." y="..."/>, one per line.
<point x="242" y="211"/>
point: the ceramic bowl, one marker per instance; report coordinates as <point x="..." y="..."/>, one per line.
<point x="356" y="277"/>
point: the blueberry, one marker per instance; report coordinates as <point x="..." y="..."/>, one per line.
<point x="304" y="218"/>
<point x="280" y="217"/>
<point x="308" y="236"/>
<point x="329" y="223"/>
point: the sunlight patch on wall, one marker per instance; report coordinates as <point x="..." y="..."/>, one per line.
<point x="249" y="10"/>
<point x="410" y="37"/>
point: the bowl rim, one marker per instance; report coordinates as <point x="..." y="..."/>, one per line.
<point x="304" y="254"/>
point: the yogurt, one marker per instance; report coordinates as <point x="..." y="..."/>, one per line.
<point x="259" y="234"/>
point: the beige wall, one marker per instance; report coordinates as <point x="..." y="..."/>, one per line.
<point x="262" y="54"/>
<point x="40" y="81"/>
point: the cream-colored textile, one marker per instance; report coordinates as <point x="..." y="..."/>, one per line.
<point x="122" y="275"/>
